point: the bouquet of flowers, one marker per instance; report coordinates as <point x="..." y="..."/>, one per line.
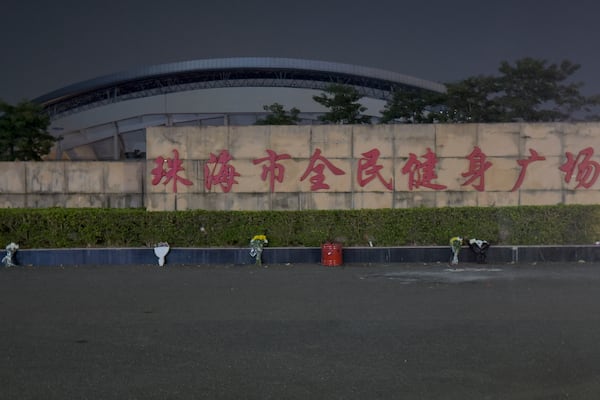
<point x="479" y="247"/>
<point x="256" y="247"/>
<point x="456" y="243"/>
<point x="11" y="249"/>
<point x="160" y="251"/>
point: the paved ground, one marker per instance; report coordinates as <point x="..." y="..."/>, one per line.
<point x="301" y="332"/>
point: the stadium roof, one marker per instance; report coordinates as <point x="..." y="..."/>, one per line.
<point x="105" y="118"/>
<point x="227" y="72"/>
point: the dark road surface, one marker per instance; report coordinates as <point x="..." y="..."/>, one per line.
<point x="301" y="332"/>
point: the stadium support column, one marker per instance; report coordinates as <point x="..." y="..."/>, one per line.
<point x="58" y="144"/>
<point x="116" y="148"/>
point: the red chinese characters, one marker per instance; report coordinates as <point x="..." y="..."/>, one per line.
<point x="274" y="170"/>
<point x="368" y="169"/>
<point x="477" y="167"/>
<point x="534" y="156"/>
<point x="218" y="171"/>
<point x="587" y="169"/>
<point x="316" y="166"/>
<point x="422" y="173"/>
<point x="169" y="169"/>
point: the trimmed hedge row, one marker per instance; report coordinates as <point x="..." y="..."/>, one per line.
<point x="530" y="225"/>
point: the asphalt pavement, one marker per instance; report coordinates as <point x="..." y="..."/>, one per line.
<point x="301" y="331"/>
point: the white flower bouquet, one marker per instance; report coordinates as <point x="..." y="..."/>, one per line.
<point x="455" y="243"/>
<point x="11" y="249"/>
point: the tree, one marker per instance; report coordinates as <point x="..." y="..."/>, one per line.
<point x="532" y="91"/>
<point x="411" y="107"/>
<point x="471" y="100"/>
<point x="279" y="116"/>
<point x="23" y="132"/>
<point x="529" y="91"/>
<point x="343" y="105"/>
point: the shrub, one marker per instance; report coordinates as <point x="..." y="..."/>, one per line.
<point x="530" y="225"/>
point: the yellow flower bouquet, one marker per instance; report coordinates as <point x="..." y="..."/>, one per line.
<point x="256" y="247"/>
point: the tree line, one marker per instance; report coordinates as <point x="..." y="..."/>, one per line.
<point x="530" y="90"/>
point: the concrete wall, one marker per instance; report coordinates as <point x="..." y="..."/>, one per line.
<point x="510" y="150"/>
<point x="377" y="167"/>
<point x="72" y="184"/>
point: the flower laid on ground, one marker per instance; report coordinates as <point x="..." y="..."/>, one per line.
<point x="256" y="247"/>
<point x="479" y="247"/>
<point x="478" y="242"/>
<point x="161" y="250"/>
<point x="456" y="243"/>
<point x="11" y="249"/>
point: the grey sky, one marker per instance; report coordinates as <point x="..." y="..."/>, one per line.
<point x="48" y="45"/>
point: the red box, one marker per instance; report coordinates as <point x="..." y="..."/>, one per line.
<point x="331" y="254"/>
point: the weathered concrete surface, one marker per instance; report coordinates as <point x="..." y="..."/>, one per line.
<point x="392" y="155"/>
<point x="117" y="184"/>
<point x="301" y="331"/>
<point x="371" y="166"/>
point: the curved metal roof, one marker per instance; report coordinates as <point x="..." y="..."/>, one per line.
<point x="227" y="72"/>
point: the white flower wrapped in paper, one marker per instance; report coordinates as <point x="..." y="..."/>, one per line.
<point x="161" y="250"/>
<point x="479" y="247"/>
<point x="478" y="242"/>
<point x="11" y="249"/>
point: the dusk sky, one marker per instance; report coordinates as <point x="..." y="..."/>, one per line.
<point x="48" y="45"/>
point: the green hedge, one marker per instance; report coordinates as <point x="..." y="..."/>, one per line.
<point x="62" y="227"/>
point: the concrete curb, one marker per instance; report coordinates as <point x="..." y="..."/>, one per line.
<point x="296" y="255"/>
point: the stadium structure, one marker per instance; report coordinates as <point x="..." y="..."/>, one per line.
<point x="105" y="118"/>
